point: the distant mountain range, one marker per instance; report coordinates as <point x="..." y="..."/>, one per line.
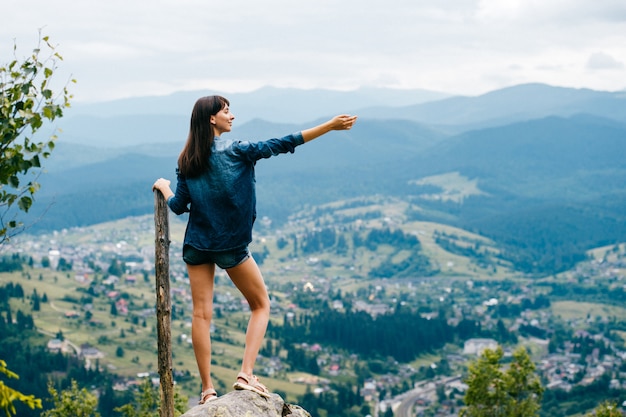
<point x="509" y="105"/>
<point x="550" y="162"/>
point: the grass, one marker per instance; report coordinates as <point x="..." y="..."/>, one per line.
<point x="575" y="310"/>
<point x="425" y="360"/>
<point x="537" y="350"/>
<point x="454" y="186"/>
<point x="608" y="253"/>
<point x="450" y="263"/>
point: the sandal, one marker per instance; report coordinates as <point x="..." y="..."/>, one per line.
<point x="207" y="395"/>
<point x="251" y="383"/>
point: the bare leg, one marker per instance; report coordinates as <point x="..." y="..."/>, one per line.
<point x="248" y="279"/>
<point x="201" y="280"/>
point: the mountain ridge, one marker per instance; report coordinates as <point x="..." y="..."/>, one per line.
<point x="511" y="104"/>
<point x="551" y="162"/>
<point x="144" y="120"/>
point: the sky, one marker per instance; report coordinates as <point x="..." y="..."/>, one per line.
<point x="119" y="49"/>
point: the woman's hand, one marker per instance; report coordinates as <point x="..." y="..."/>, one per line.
<point x="162" y="185"/>
<point x="342" y="122"/>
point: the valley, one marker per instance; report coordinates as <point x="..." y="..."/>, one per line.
<point x="347" y="256"/>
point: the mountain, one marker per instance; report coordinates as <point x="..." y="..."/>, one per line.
<point x="124" y="130"/>
<point x="166" y="118"/>
<point x="508" y="105"/>
<point x="544" y="170"/>
<point x="262" y="102"/>
<point x="146" y="120"/>
<point x="549" y="158"/>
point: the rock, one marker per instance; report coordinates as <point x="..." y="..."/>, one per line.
<point x="247" y="404"/>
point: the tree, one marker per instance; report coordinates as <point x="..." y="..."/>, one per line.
<point x="36" y="301"/>
<point x="26" y="102"/>
<point x="494" y="392"/>
<point x="73" y="402"/>
<point x="147" y="402"/>
<point x="606" y="409"/>
<point x="116" y="268"/>
<point x="8" y="395"/>
<point x="113" y="310"/>
<point x="64" y="265"/>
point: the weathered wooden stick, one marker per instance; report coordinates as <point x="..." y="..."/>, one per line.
<point x="163" y="304"/>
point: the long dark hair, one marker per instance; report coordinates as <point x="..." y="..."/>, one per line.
<point x="194" y="158"/>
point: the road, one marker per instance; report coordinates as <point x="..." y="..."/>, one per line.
<point x="423" y="389"/>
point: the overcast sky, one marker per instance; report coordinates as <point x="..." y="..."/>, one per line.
<point x="127" y="48"/>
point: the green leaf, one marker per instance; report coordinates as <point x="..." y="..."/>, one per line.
<point x="47" y="113"/>
<point x="36" y="121"/>
<point x="25" y="203"/>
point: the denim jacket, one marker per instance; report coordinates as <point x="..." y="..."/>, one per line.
<point x="222" y="201"/>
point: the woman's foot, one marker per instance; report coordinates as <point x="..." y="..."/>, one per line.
<point x="207" y="395"/>
<point x="250" y="383"/>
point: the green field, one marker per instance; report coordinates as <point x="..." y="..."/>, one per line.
<point x="574" y="310"/>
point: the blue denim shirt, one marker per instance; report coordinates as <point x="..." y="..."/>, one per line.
<point x="222" y="201"/>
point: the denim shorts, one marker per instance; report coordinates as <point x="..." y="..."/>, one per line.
<point x="224" y="259"/>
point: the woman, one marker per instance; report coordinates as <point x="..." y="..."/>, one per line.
<point x="216" y="186"/>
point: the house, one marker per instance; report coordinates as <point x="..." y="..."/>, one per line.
<point x="55" y="345"/>
<point x="372" y="309"/>
<point x="111" y="280"/>
<point x="477" y="346"/>
<point x="71" y="314"/>
<point x="122" y="306"/>
<point x="369" y="392"/>
<point x="82" y="278"/>
<point x="90" y="352"/>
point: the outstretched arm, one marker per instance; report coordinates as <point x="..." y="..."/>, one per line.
<point x="341" y="122"/>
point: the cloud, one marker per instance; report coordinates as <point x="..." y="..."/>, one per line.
<point x="557" y="12"/>
<point x="126" y="48"/>
<point x="602" y="61"/>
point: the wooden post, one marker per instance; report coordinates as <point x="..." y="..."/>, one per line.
<point x="163" y="303"/>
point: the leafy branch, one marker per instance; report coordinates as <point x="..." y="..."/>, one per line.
<point x="26" y="102"/>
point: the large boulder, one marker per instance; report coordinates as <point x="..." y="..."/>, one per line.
<point x="247" y="404"/>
